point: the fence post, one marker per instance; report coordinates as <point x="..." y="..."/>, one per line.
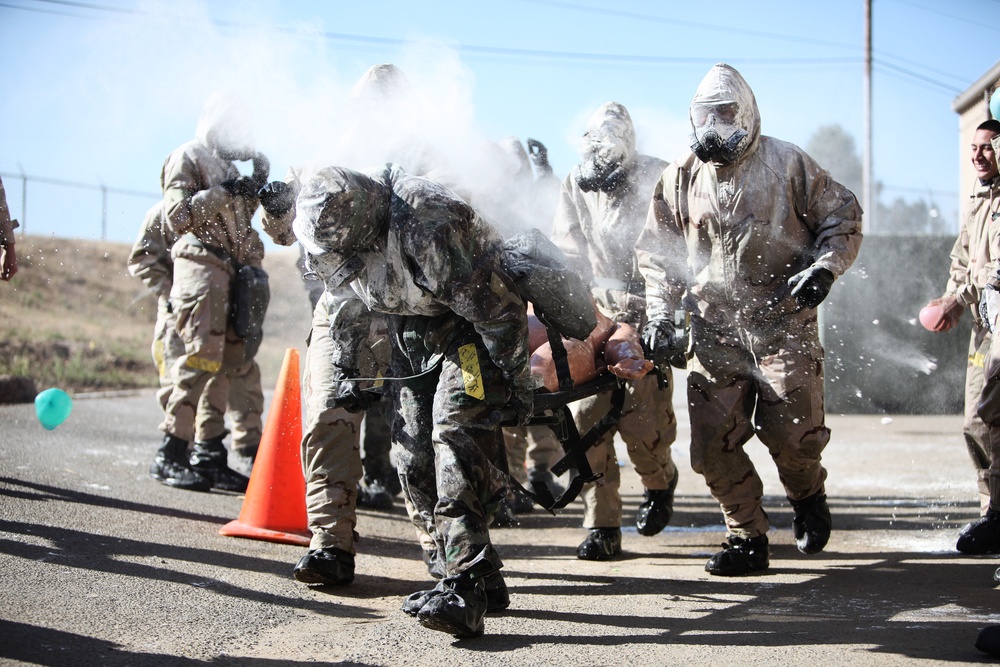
<point x="104" y="212"/>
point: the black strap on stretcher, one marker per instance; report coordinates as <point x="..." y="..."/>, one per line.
<point x="552" y="410"/>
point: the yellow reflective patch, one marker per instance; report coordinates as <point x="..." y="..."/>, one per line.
<point x="206" y="365"/>
<point x="161" y="367"/>
<point x="379" y="382"/>
<point x="468" y="359"/>
<point x="977" y="359"/>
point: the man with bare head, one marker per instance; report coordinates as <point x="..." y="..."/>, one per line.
<point x="973" y="264"/>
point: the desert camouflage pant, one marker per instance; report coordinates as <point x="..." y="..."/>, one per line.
<point x="200" y="299"/>
<point x="210" y="419"/>
<point x="647" y="427"/>
<point x="331" y="455"/>
<point x="448" y="447"/>
<point x="530" y="447"/>
<point x="745" y="384"/>
<point x="982" y="416"/>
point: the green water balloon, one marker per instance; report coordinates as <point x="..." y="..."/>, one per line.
<point x="53" y="407"/>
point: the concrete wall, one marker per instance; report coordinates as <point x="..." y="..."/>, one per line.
<point x="879" y="359"/>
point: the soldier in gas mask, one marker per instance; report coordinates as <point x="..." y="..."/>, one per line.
<point x="600" y="213"/>
<point x="150" y="262"/>
<point x="208" y="204"/>
<point x="410" y="248"/>
<point x="747" y="234"/>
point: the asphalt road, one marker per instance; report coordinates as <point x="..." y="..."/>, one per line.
<point x="100" y="565"/>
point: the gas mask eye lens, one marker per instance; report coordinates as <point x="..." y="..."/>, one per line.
<point x="725" y="114"/>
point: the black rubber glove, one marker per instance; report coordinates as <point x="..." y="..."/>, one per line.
<point x="261" y="170"/>
<point x="240" y="187"/>
<point x="539" y="157"/>
<point x="662" y="345"/>
<point x="350" y="396"/>
<point x="522" y="399"/>
<point x="811" y="286"/>
<point x="277" y="198"/>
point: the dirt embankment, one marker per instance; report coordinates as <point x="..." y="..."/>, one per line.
<point x="74" y="318"/>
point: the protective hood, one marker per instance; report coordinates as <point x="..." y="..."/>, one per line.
<point x="380" y="84"/>
<point x="339" y="213"/>
<point x="606" y="147"/>
<point x="225" y="127"/>
<point x="724" y="116"/>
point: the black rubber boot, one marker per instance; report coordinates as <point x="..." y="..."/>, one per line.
<point x="504" y="516"/>
<point x="601" y="544"/>
<point x="740" y="556"/>
<point x="243" y="460"/>
<point x="457" y="608"/>
<point x="373" y="495"/>
<point x="209" y="458"/>
<point x="812" y="523"/>
<point x="520" y="503"/>
<point x="497" y="597"/>
<point x="330" y="566"/>
<point x="982" y="536"/>
<point x="171" y="467"/>
<point x="656" y="510"/>
<point x="988" y="640"/>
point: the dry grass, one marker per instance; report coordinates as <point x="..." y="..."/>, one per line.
<point x="72" y="317"/>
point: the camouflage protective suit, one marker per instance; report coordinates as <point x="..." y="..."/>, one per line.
<point x="459" y="332"/>
<point x="150" y="261"/>
<point x="214" y="230"/>
<point x="975" y="262"/>
<point x="597" y="228"/>
<point x="721" y="241"/>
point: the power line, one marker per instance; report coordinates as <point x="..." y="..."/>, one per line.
<point x="977" y="23"/>
<point x="567" y="56"/>
<point x="895" y="69"/>
<point x="690" y="24"/>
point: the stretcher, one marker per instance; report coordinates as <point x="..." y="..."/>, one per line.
<point x="552" y="409"/>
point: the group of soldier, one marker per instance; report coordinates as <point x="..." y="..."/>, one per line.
<point x="744" y="235"/>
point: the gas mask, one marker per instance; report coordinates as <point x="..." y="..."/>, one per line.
<point x="602" y="156"/>
<point x="592" y="176"/>
<point x="334" y="269"/>
<point x="717" y="138"/>
<point x="605" y="148"/>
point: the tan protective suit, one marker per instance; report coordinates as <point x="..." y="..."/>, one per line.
<point x="331" y="442"/>
<point x="721" y="241"/>
<point x="150" y="261"/>
<point x="210" y="222"/>
<point x="975" y="260"/>
<point x="597" y="230"/>
<point x="7" y="226"/>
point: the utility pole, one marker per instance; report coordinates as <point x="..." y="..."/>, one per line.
<point x="867" y="223"/>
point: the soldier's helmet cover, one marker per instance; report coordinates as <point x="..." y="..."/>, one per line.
<point x="225" y="125"/>
<point x="339" y="212"/>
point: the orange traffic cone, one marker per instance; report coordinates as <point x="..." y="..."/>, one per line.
<point x="274" y="507"/>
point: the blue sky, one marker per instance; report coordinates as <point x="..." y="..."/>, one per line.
<point x="99" y="92"/>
